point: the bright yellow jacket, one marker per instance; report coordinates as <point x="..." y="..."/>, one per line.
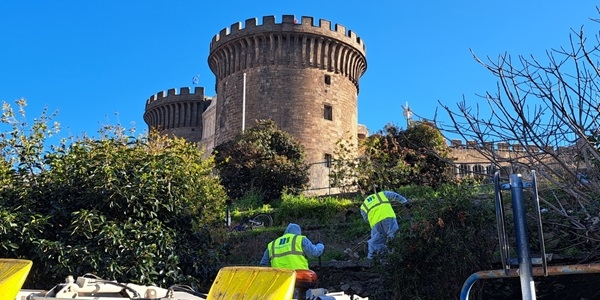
<point x="377" y="207"/>
<point x="286" y="252"/>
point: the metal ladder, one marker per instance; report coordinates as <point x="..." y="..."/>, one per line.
<point x="524" y="261"/>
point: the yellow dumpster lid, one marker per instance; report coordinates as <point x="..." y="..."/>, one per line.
<point x="253" y="283"/>
<point x="13" y="273"/>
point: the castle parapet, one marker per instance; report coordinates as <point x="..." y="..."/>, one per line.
<point x="288" y="24"/>
<point x="500" y="146"/>
<point x="548" y="149"/>
<point x="179" y="114"/>
<point x="456" y="143"/>
<point x="503" y="146"/>
<point x="518" y="148"/>
<point x="289" y="44"/>
<point x="172" y="96"/>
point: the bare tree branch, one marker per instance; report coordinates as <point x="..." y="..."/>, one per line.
<point x="548" y="110"/>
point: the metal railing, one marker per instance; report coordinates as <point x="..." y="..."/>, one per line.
<point x="524" y="261"/>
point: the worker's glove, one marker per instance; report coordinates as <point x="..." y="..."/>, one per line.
<point x="408" y="205"/>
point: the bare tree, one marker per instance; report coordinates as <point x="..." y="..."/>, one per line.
<point x="548" y="111"/>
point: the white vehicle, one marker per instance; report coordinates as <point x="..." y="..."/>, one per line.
<point x="231" y="283"/>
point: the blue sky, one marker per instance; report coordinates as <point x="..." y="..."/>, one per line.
<point x="91" y="60"/>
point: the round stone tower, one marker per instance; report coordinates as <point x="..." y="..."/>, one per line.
<point x="301" y="75"/>
<point x="177" y="114"/>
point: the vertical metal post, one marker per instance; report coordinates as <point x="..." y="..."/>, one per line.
<point x="525" y="269"/>
<point x="244" y="104"/>
<point x="329" y="187"/>
<point x="228" y="213"/>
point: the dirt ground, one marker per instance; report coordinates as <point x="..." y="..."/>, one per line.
<point x="247" y="248"/>
<point x="337" y="272"/>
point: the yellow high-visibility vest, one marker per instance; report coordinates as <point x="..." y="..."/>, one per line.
<point x="286" y="252"/>
<point x="377" y="207"/>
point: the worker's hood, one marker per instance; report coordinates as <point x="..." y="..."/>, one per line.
<point x="293" y="228"/>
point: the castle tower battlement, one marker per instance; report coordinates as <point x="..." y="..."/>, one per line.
<point x="290" y="43"/>
<point x="178" y="114"/>
<point x="173" y="95"/>
<point x="289" y="23"/>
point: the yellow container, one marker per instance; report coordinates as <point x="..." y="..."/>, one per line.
<point x="13" y="273"/>
<point x="253" y="283"/>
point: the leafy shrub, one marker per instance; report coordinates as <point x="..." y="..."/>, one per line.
<point x="262" y="159"/>
<point x="436" y="246"/>
<point x="127" y="209"/>
<point x="393" y="157"/>
<point x="418" y="192"/>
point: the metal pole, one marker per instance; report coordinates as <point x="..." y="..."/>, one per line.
<point x="244" y="104"/>
<point x="525" y="270"/>
<point x="228" y="213"/>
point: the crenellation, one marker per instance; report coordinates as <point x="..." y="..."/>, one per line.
<point x="224" y="32"/>
<point x="307" y="21"/>
<point x="353" y="36"/>
<point x="268" y="20"/>
<point x="235" y="27"/>
<point x="250" y="23"/>
<point x="325" y="24"/>
<point x="288" y="19"/>
<point x="488" y="146"/>
<point x="199" y="90"/>
<point x="171" y="92"/>
<point x="341" y="29"/>
<point x="503" y="146"/>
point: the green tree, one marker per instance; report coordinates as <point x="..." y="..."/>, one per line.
<point x="393" y="157"/>
<point x="127" y="209"/>
<point x="345" y="171"/>
<point x="22" y="148"/>
<point x="264" y="160"/>
<point x="427" y="153"/>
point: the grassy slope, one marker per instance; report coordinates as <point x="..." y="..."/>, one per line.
<point x="337" y="228"/>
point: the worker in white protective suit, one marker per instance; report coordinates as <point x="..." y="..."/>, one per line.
<point x="289" y="251"/>
<point x="378" y="212"/>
